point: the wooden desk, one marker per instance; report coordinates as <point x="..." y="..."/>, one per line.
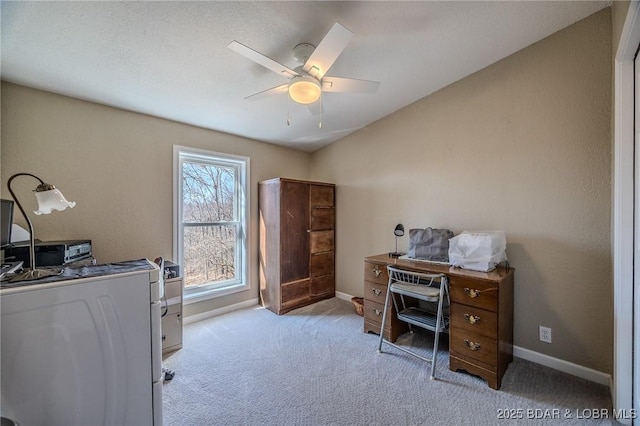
<point x="481" y="314"/>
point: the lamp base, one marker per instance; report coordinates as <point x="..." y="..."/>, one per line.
<point x="395" y="254"/>
<point x="34" y="274"/>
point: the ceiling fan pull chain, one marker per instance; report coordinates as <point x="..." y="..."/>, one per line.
<point x="289" y="111"/>
<point x="320" y="122"/>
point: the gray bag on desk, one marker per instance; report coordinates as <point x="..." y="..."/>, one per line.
<point x="430" y="244"/>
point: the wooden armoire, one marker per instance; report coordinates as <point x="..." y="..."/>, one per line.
<point x="297" y="243"/>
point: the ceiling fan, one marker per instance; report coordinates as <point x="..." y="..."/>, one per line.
<point x="308" y="81"/>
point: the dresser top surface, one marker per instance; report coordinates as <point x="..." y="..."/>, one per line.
<point x="497" y="274"/>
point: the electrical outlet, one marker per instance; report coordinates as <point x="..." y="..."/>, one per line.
<point x="545" y="334"/>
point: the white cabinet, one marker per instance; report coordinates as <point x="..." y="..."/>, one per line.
<point x="172" y="319"/>
<point x="81" y="351"/>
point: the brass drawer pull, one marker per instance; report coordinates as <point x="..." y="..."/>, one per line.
<point x="376" y="291"/>
<point x="376" y="271"/>
<point x="378" y="312"/>
<point x="473" y="319"/>
<point x="471" y="345"/>
<point x="472" y="293"/>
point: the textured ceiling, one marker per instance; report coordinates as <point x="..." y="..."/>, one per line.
<point x="170" y="59"/>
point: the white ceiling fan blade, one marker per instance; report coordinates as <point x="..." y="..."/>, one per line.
<point x="259" y="58"/>
<point x="327" y="51"/>
<point x="269" y="92"/>
<point x="352" y="85"/>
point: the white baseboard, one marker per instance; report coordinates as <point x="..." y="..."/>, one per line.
<point x="343" y="296"/>
<point x="564" y="366"/>
<point x="209" y="314"/>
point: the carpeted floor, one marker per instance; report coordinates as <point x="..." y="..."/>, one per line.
<point x="315" y="366"/>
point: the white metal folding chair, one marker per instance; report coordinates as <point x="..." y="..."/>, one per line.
<point x="431" y="288"/>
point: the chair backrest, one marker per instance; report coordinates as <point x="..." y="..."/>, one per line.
<point x="160" y="262"/>
<point x="411" y="277"/>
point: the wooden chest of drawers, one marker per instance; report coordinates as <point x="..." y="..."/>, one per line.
<point x="481" y="314"/>
<point x="376" y="279"/>
<point x="481" y="326"/>
<point x="297" y="243"/>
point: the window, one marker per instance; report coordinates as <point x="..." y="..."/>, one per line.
<point x="211" y="221"/>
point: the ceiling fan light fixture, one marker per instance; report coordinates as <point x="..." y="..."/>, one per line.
<point x="304" y="89"/>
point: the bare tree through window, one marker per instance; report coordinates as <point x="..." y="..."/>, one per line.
<point x="210" y="222"/>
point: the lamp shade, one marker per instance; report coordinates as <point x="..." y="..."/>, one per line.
<point x="399" y="231"/>
<point x="304" y="89"/>
<point x="51" y="199"/>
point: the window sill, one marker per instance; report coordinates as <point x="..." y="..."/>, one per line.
<point x="214" y="293"/>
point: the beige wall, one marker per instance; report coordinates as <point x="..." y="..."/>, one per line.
<point x="117" y="165"/>
<point x="524" y="146"/>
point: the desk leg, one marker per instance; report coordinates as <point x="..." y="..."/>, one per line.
<point x="492" y="378"/>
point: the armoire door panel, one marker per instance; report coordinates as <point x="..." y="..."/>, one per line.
<point x="322" y="264"/>
<point x="322" y="286"/>
<point x="323" y="218"/>
<point x="321" y="196"/>
<point x="322" y="241"/>
<point x="295" y="293"/>
<point x="294" y="235"/>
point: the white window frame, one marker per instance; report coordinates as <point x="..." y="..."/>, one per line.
<point x="180" y="154"/>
